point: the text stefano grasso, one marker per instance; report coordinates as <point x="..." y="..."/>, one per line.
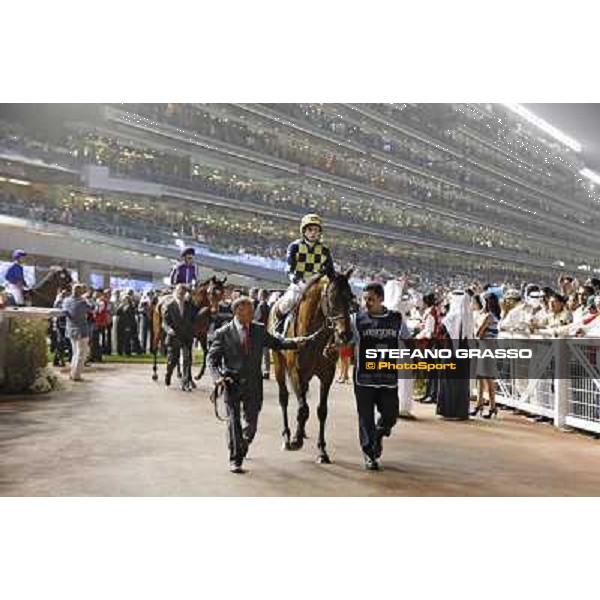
<point x="446" y="353"/>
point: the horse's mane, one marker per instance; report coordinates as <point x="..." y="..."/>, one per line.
<point x="205" y="283"/>
<point x="310" y="296"/>
<point x="311" y="286"/>
<point x="47" y="277"/>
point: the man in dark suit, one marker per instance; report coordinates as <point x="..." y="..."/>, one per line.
<point x="234" y="360"/>
<point x="178" y="323"/>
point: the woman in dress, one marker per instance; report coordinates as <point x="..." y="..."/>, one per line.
<point x="486" y="367"/>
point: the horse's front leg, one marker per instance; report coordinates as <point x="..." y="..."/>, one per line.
<point x="202" y="339"/>
<point x="279" y="367"/>
<point x="301" y="418"/>
<point x="322" y="409"/>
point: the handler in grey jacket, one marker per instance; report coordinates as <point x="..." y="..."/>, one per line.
<point x="77" y="309"/>
<point x="234" y="360"/>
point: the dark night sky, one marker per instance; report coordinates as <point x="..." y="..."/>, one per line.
<point x="580" y="121"/>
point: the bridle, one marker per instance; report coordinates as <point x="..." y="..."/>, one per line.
<point x="326" y="308"/>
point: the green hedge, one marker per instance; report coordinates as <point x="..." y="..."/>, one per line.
<point x="26" y="358"/>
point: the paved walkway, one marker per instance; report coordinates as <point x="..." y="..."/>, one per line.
<point x="120" y="434"/>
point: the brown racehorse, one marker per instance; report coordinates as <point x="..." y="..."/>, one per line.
<point x="206" y="297"/>
<point x="324" y="307"/>
<point x="44" y="293"/>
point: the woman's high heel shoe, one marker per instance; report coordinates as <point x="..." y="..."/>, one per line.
<point x="493" y="412"/>
<point x="477" y="410"/>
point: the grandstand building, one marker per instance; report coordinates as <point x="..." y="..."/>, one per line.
<point x="484" y="190"/>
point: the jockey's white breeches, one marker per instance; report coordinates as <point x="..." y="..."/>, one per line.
<point x="291" y="297"/>
<point x="16" y="292"/>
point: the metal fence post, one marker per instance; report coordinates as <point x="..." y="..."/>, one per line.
<point x="3" y="346"/>
<point x="562" y="355"/>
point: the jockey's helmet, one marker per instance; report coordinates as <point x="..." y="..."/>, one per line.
<point x="311" y="219"/>
<point x="188" y="252"/>
<point x="17" y="254"/>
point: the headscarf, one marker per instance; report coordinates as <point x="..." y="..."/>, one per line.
<point x="459" y="320"/>
<point x="392" y="294"/>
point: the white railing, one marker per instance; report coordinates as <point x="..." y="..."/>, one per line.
<point x="563" y="383"/>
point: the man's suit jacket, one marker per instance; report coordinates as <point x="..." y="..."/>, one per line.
<point x="183" y="325"/>
<point x="227" y="357"/>
<point x="261" y="312"/>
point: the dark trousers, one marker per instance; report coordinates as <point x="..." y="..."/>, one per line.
<point x="108" y="346"/>
<point x="127" y="340"/>
<point x="175" y="347"/>
<point x="243" y="409"/>
<point x="63" y="350"/>
<point x="385" y="400"/>
<point x="124" y="340"/>
<point x="95" y="347"/>
<point x="433" y="386"/>
<point x="103" y="333"/>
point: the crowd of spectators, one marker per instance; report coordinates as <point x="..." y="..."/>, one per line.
<point x="299" y="196"/>
<point x="492" y="199"/>
<point x="145" y="163"/>
<point x="229" y="232"/>
<point x="301" y="193"/>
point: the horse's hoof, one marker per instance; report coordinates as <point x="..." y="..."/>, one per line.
<point x="154" y="377"/>
<point x="286" y="445"/>
<point x="323" y="459"/>
<point x="297" y="443"/>
<point x="198" y="377"/>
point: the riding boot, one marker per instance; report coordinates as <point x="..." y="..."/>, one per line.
<point x="279" y="321"/>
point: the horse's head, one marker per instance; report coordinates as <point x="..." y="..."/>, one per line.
<point x="63" y="278"/>
<point x="216" y="288"/>
<point x="210" y="292"/>
<point x="339" y="302"/>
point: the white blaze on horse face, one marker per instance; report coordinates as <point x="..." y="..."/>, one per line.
<point x="343" y="329"/>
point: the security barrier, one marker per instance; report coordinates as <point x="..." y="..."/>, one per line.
<point x="563" y="384"/>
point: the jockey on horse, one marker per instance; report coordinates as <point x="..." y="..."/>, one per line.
<point x="322" y="304"/>
<point x="306" y="257"/>
<point x="204" y="296"/>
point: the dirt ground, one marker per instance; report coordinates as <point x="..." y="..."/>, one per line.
<point x="120" y="434"/>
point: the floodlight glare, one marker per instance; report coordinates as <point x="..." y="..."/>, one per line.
<point x="591" y="175"/>
<point x="545" y="126"/>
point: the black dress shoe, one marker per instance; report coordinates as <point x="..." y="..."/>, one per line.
<point x="371" y="464"/>
<point x="378" y="446"/>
